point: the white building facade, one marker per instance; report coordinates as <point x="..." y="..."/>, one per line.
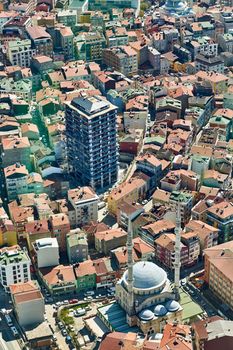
<point x="47" y="252"/>
<point x="14" y="266"/>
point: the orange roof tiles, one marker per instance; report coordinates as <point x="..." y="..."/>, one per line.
<point x="159" y="226"/>
<point x="127" y="187"/>
<point x="222" y="210"/>
<point x="15" y="142"/>
<point x="15" y="169"/>
<point x="82" y="193"/>
<point x="110" y="234"/>
<point x="59" y="274"/>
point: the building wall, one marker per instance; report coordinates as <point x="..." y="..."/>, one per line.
<point x="87" y="282"/>
<point x="85" y="211"/>
<point x="105" y="246"/>
<point x="30" y="312"/>
<point x="221" y="285"/>
<point x="8" y="238"/>
<point x="15" y="272"/>
<point x="16" y="186"/>
<point x="21" y="155"/>
<point x="21" y="53"/>
<point x="97" y="166"/>
<point x="32" y="237"/>
<point x="47" y="256"/>
<point x="77" y="253"/>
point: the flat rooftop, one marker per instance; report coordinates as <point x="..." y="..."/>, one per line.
<point x="116" y="318"/>
<point x="191" y="310"/>
<point x="91" y="106"/>
<point x="38" y="331"/>
<point x="96" y="325"/>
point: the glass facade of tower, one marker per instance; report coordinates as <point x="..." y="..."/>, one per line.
<point x="92" y="142"/>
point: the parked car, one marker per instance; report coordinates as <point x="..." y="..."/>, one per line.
<point x="60" y="325"/>
<point x="9" y="320"/>
<point x="73" y="301"/>
<point x="64" y="332"/>
<point x="14" y="331"/>
<point x="79" y="312"/>
<point x="68" y="338"/>
<point x="89" y="292"/>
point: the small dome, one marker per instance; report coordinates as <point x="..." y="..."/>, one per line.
<point x="160" y="310"/>
<point x="147" y="275"/>
<point x="172" y="305"/>
<point x="146" y="315"/>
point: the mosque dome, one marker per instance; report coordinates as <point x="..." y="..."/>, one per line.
<point x="147" y="275"/>
<point x="172" y="305"/>
<point x="146" y="315"/>
<point x="160" y="310"/>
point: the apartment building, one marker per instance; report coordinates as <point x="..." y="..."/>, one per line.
<point x="77" y="246"/>
<point x="226" y="42"/>
<point x="14" y="266"/>
<point x="151" y="231"/>
<point x="25" y="6"/>
<point x="46" y="251"/>
<point x="41" y="40"/>
<point x="207" y="235"/>
<point x="128" y="211"/>
<point x="217" y="81"/>
<point x="218" y="271"/>
<point x="133" y="190"/>
<point x="202" y="44"/>
<point x="92" y="141"/>
<point x="16" y="149"/>
<point x="8" y="236"/>
<point x="89" y="46"/>
<point x="105" y="241"/>
<point x="121" y="58"/>
<point x="149" y="164"/>
<point x="67" y="17"/>
<point x="28" y="303"/>
<point x="85" y="203"/>
<point x="60" y="227"/>
<point x="185" y="201"/>
<point x="16" y="180"/>
<point x="165" y="251"/>
<point x="178" y="179"/>
<point x="209" y="63"/>
<point x="213" y="333"/>
<point x="116" y="37"/>
<point x="20" y="52"/>
<point x="19" y="181"/>
<point x="191" y="241"/>
<point x="67" y="42"/>
<point x="59" y="280"/>
<point x="220" y="216"/>
<point x="36" y="229"/>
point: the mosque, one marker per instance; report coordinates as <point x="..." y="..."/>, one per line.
<point x="176" y="8"/>
<point x="151" y="303"/>
<point x="145" y="299"/>
<point x="144" y="292"/>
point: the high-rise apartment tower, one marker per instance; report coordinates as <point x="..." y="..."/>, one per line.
<point x="92" y="149"/>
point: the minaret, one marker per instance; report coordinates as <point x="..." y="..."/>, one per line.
<point x="177" y="253"/>
<point x="130" y="268"/>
